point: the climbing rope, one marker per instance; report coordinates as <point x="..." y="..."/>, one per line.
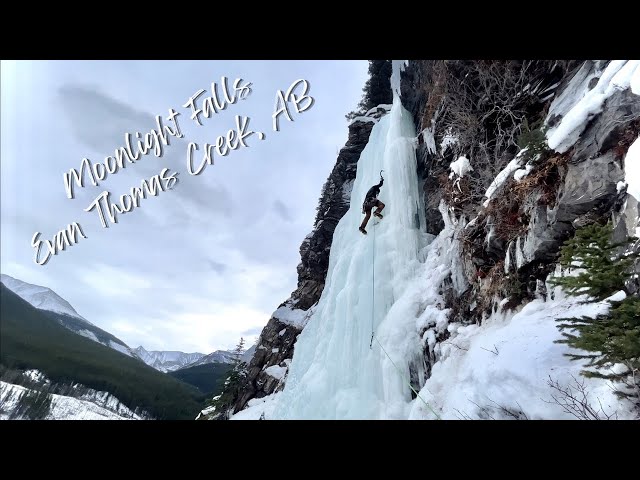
<point x="373" y="301"/>
<point x="407" y="382"/>
<point x="373" y="282"/>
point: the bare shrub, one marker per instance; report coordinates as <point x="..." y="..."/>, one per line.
<point x="573" y="398"/>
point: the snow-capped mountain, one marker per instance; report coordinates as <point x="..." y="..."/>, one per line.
<point x="40" y="297"/>
<point x="170" y="361"/>
<point x="219" y="356"/>
<point x="167" y="361"/>
<point x="44" y="298"/>
<point x="224" y="356"/>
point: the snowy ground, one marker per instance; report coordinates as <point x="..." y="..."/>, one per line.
<point x="257" y="407"/>
<point x="92" y="406"/>
<point x="508" y="362"/>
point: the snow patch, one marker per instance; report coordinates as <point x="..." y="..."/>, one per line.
<point x="120" y="348"/>
<point x="384" y="106"/>
<point x="617" y="297"/>
<point x="89" y="334"/>
<point x="364" y="119"/>
<point x="276" y="371"/>
<point x="346" y="196"/>
<point x="448" y="141"/>
<point x="574" y="91"/>
<point x="292" y="316"/>
<point x="632" y="169"/>
<point x="502" y="177"/>
<point x="523" y="172"/>
<point x="35" y="375"/>
<point x="258" y="408"/>
<point x="460" y="167"/>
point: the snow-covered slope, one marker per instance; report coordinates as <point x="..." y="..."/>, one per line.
<point x="506" y="368"/>
<point x="86" y="404"/>
<point x="44" y="298"/>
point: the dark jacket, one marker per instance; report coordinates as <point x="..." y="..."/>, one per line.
<point x="371" y="194"/>
<point x="374" y="191"/>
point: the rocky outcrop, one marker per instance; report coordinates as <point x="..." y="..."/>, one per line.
<point x="570" y="188"/>
<point x="276" y="342"/>
<point x="589" y="191"/>
<point x="430" y="88"/>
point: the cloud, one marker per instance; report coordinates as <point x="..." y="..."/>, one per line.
<point x="210" y="326"/>
<point x="252" y="331"/>
<point x="110" y="119"/>
<point x="30" y="275"/>
<point x="113" y="281"/>
<point x="100" y="122"/>
<point x="217" y="267"/>
<point x="282" y="210"/>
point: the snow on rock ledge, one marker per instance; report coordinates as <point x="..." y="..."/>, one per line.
<point x="619" y="75"/>
<point x="276" y="371"/>
<point x="292" y="316"/>
<point x="460" y="167"/>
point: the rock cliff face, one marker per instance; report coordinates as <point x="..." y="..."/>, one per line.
<point x="497" y="114"/>
<point x="510" y="243"/>
<point x="275" y="345"/>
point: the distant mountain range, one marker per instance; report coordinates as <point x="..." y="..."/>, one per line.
<point x="45" y="299"/>
<point x="166" y="360"/>
<point x="170" y="361"/>
<point x="31" y="338"/>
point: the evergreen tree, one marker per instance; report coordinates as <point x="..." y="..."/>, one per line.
<point x="238" y="351"/>
<point x="613" y="337"/>
<point x="376" y="90"/>
<point x="224" y="402"/>
<point x="606" y="266"/>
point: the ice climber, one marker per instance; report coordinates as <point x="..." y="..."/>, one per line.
<point x="370" y="201"/>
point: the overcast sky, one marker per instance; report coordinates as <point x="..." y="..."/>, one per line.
<point x="199" y="265"/>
